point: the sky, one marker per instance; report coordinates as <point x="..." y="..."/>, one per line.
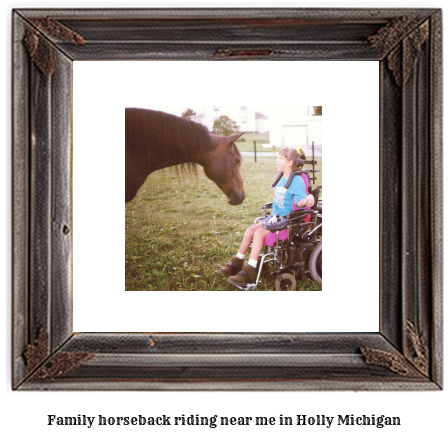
<point x="283" y="112"/>
<point x="264" y="109"/>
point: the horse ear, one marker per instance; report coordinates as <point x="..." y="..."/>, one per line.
<point x="234" y="138"/>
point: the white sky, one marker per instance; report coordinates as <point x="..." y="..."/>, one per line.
<point x="282" y="112"/>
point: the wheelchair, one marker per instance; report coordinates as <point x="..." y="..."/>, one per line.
<point x="293" y="249"/>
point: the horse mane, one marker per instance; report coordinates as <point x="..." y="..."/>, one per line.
<point x="178" y="135"/>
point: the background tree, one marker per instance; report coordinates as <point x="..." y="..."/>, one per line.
<point x="189" y="112"/>
<point x="317" y="110"/>
<point x="225" y="126"/>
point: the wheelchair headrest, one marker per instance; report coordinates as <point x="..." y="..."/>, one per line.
<point x="291" y="176"/>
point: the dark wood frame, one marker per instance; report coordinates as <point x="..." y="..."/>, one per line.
<point x="406" y="354"/>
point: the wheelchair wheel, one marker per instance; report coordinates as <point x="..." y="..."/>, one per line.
<point x="285" y="281"/>
<point x="315" y="263"/>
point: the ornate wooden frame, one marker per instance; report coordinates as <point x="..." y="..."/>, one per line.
<point x="406" y="354"/>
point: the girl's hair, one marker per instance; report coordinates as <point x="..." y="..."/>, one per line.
<point x="297" y="157"/>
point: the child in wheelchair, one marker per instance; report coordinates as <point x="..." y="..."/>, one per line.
<point x="288" y="162"/>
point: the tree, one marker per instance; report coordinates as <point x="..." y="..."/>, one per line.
<point x="317" y="110"/>
<point x="189" y="112"/>
<point x="225" y="126"/>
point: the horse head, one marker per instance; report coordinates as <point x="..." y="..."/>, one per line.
<point x="222" y="165"/>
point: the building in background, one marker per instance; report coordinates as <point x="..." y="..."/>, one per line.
<point x="296" y="127"/>
<point x="292" y="126"/>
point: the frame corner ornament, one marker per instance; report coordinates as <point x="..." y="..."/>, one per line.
<point x="417" y="349"/>
<point x="395" y="362"/>
<point x="412" y="363"/>
<point x="41" y="366"/>
<point x="37" y="351"/>
<point x="40" y="51"/>
<point x="411" y="34"/>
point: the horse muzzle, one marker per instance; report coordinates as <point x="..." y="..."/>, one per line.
<point x="236" y="198"/>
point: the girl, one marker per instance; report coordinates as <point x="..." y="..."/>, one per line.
<point x="288" y="161"/>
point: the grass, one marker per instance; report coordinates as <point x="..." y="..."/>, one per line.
<point x="180" y="229"/>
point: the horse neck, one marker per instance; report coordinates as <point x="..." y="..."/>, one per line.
<point x="163" y="158"/>
<point x="178" y="155"/>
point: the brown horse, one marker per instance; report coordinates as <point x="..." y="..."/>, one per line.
<point x="155" y="140"/>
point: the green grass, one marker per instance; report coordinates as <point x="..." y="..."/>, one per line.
<point x="180" y="229"/>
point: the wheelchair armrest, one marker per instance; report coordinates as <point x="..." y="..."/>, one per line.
<point x="299" y="213"/>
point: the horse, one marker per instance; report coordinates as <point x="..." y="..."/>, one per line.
<point x="156" y="140"/>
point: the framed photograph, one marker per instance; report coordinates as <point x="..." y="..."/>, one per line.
<point x="82" y="321"/>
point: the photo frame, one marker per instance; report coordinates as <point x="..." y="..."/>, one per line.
<point x="406" y="353"/>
